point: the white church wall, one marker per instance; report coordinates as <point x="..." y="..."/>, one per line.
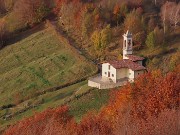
<point x="131" y="75"/>
<point x="113" y="74"/>
<point x="109" y="72"/>
<point x="122" y="73"/>
<point x="138" y="73"/>
<point x="105" y="67"/>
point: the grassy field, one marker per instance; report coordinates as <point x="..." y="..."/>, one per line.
<point x="38" y="62"/>
<point x="79" y="97"/>
<point x="35" y="64"/>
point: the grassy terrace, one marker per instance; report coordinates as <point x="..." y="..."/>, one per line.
<point x="35" y="64"/>
<point x="79" y="103"/>
<point x="38" y="62"/>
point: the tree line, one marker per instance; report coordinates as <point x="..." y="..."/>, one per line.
<point x="86" y="19"/>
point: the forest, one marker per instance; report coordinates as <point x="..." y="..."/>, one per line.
<point x="149" y="106"/>
<point x="96" y="26"/>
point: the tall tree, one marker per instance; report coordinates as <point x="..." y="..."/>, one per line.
<point x="30" y="11"/>
<point x="133" y="22"/>
<point x="150" y="41"/>
<point x="106" y="36"/>
<point x="170" y="14"/>
<point x="101" y="39"/>
<point x="87" y="24"/>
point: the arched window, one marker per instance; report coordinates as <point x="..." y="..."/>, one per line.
<point x="125" y="43"/>
<point x="129" y="44"/>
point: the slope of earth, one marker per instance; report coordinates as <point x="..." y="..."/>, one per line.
<point x="36" y="64"/>
<point x="164" y="57"/>
<point x="79" y="97"/>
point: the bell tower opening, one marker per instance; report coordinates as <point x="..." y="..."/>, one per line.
<point x="127" y="45"/>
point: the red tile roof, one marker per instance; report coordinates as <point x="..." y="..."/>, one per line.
<point x="135" y="58"/>
<point x="125" y="63"/>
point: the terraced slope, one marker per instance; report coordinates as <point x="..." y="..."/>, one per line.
<point x="36" y="63"/>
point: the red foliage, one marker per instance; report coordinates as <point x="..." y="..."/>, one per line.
<point x="58" y="4"/>
<point x="93" y="124"/>
<point x="51" y="121"/>
<point x="148" y="106"/>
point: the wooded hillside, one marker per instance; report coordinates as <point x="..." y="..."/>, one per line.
<point x="48" y="48"/>
<point x="149" y="106"/>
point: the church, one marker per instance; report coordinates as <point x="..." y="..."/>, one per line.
<point x="119" y="72"/>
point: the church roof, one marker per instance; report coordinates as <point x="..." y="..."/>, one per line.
<point x="135" y="58"/>
<point x="125" y="63"/>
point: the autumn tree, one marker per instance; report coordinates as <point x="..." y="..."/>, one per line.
<point x="150" y="41"/>
<point x="87" y="24"/>
<point x="101" y="39"/>
<point x="58" y="5"/>
<point x="69" y="13"/>
<point x="94" y="124"/>
<point x="96" y="40"/>
<point x="6" y="5"/>
<point x="106" y="36"/>
<point x="133" y="22"/>
<point x="52" y="121"/>
<point x="120" y="11"/>
<point x="139" y="39"/>
<point x="143" y="107"/>
<point x="152" y="23"/>
<point x="159" y="36"/>
<point x="116" y="13"/>
<point x="170" y="14"/>
<point x="3" y="32"/>
<point x="29" y="12"/>
<point x="2" y="7"/>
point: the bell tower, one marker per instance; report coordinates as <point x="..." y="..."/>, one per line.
<point x="127" y="44"/>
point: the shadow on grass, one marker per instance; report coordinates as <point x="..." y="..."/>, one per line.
<point x="62" y="96"/>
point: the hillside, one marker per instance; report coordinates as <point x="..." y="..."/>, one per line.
<point x="40" y="63"/>
<point x="150" y="106"/>
<point x="49" y="49"/>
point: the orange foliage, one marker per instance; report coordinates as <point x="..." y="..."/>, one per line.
<point x="116" y="9"/>
<point x="51" y="121"/>
<point x="58" y="4"/>
<point x="94" y="124"/>
<point x="148" y="106"/>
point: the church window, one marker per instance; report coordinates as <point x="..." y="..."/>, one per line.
<point x="112" y="75"/>
<point x="124" y="43"/>
<point x="129" y="42"/>
<point x="105" y="73"/>
<point x="109" y="67"/>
